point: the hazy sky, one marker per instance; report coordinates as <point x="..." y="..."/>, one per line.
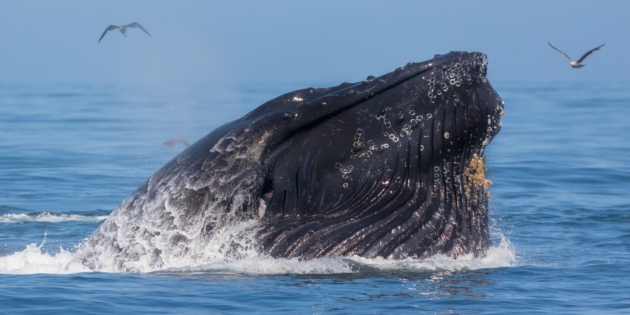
<point x="305" y="41"/>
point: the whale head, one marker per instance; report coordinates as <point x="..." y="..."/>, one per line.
<point x="392" y="166"/>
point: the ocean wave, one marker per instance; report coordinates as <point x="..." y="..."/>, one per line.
<point x="498" y="256"/>
<point x="50" y="217"/>
<point x="501" y="255"/>
<point x="33" y="260"/>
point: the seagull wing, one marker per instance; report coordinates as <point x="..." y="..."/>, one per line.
<point x="560" y="51"/>
<point x="136" y="24"/>
<point x="590" y="52"/>
<point x="173" y="142"/>
<point x="109" y="28"/>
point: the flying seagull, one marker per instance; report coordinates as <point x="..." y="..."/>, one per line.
<point x="123" y="29"/>
<point x="173" y="142"/>
<point x="576" y="64"/>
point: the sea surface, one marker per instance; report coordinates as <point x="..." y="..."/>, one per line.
<point x="560" y="209"/>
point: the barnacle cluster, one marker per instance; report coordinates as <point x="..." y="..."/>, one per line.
<point x="476" y="175"/>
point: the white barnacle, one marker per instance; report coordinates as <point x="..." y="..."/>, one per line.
<point x="346" y="169"/>
<point x="297" y="99"/>
<point x="407" y="129"/>
<point x="446" y="135"/>
<point x="262" y="207"/>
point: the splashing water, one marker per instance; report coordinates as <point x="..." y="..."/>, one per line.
<point x="33" y="259"/>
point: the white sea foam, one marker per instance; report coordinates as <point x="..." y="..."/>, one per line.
<point x="34" y="260"/>
<point x="501" y="255"/>
<point x="49" y="217"/>
<point x="269" y="266"/>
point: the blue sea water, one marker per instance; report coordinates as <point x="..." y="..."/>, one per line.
<point x="560" y="211"/>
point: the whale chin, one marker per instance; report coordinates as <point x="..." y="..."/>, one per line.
<point x="392" y="167"/>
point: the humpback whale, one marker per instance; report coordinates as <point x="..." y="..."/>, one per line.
<point x="392" y="166"/>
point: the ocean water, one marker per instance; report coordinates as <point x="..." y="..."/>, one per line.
<point x="560" y="211"/>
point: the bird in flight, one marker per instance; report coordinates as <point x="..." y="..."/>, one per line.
<point x="123" y="29"/>
<point x="577" y="64"/>
<point x="173" y="142"/>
